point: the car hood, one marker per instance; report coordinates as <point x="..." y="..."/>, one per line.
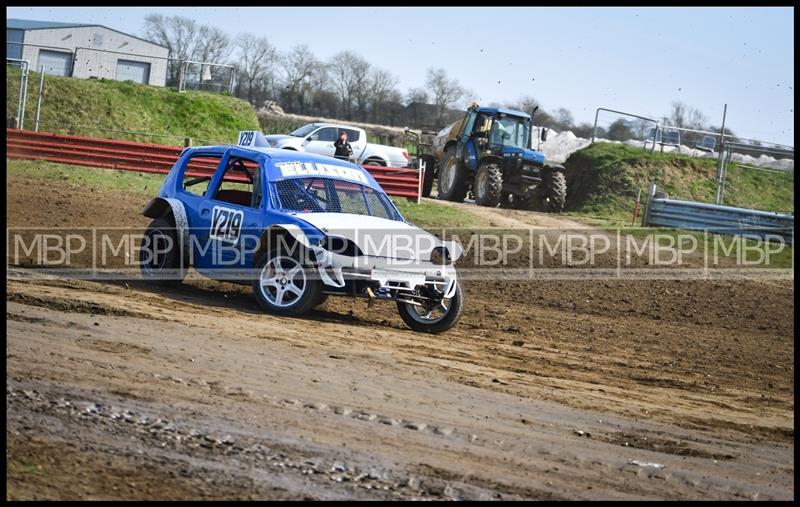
<point x="273" y="138"/>
<point x="380" y="237"/>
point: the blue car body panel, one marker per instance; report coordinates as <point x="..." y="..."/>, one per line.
<point x="273" y="165"/>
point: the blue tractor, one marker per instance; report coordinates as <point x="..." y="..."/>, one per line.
<point x="489" y="153"/>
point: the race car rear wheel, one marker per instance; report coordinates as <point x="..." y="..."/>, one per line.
<point x="433" y="320"/>
<point x="160" y="253"/>
<point x="285" y="285"/>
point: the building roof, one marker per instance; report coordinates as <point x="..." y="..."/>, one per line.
<point x="30" y="24"/>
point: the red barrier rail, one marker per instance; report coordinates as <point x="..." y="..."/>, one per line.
<point x="156" y="158"/>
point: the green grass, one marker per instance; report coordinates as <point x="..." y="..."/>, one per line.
<point x="603" y="180"/>
<point x="208" y="118"/>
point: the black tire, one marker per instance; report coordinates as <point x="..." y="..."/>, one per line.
<point x="449" y="320"/>
<point x="554" y="191"/>
<point x="321" y="299"/>
<point x="160" y="256"/>
<point x="488" y="186"/>
<point x="311" y="294"/>
<point x="430" y="173"/>
<point x="375" y="161"/>
<point x="458" y="191"/>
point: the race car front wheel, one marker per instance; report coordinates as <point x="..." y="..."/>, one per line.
<point x="285" y="285"/>
<point x="435" y="319"/>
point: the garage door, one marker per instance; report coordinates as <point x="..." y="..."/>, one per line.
<point x="56" y="63"/>
<point x="138" y="72"/>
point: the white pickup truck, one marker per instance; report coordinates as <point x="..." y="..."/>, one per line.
<point x="319" y="138"/>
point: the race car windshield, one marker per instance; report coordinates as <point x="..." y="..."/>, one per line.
<point x="328" y="195"/>
<point x="304" y="131"/>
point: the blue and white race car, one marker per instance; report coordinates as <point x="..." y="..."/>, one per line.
<point x="297" y="227"/>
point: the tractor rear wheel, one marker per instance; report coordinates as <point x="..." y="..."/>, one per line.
<point x="488" y="185"/>
<point x="453" y="180"/>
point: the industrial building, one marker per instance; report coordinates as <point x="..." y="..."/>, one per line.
<point x="86" y="51"/>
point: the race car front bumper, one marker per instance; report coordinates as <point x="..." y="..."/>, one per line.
<point x="394" y="277"/>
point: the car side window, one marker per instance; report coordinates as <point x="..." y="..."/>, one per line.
<point x="197" y="173"/>
<point x="352" y="135"/>
<point x="240" y="183"/>
<point x="327" y="134"/>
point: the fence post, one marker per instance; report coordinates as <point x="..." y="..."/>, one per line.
<point x="721" y="160"/>
<point x="39" y="99"/>
<point x="181" y="76"/>
<point x="421" y="181"/>
<point x="651" y="194"/>
<point x="187" y="141"/>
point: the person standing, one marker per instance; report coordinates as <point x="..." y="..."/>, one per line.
<point x="343" y="148"/>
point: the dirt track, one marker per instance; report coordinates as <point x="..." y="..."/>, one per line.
<point x="544" y="390"/>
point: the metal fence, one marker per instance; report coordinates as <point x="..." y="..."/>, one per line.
<point x="134" y="156"/>
<point x="728" y="158"/>
<point x="18" y="94"/>
<point x="662" y="211"/>
<point x="623" y="130"/>
<point x="178" y="73"/>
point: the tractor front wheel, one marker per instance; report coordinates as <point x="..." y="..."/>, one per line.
<point x="554" y="191"/>
<point x="488" y="185"/>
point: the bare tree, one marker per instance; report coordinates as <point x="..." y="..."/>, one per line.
<point x="178" y="34"/>
<point x="678" y="114"/>
<point x="256" y="58"/>
<point x="418" y="95"/>
<point x="214" y="45"/>
<point x="526" y="104"/>
<point x="348" y="71"/>
<point x="382" y="85"/>
<point x="564" y="119"/>
<point x="299" y="66"/>
<point x="187" y="40"/>
<point x="446" y="92"/>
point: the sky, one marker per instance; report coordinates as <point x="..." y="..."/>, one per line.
<point x="632" y="59"/>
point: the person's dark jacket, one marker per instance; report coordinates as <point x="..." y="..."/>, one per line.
<point x="343" y="149"/>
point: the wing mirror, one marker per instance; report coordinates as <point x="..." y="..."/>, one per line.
<point x="544" y="134"/>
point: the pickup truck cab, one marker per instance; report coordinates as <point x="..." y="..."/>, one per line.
<point x="319" y="138"/>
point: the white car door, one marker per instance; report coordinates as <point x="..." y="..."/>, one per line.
<point x="321" y="141"/>
<point x="357" y="141"/>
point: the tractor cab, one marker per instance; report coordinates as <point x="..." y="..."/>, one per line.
<point x="496" y="133"/>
